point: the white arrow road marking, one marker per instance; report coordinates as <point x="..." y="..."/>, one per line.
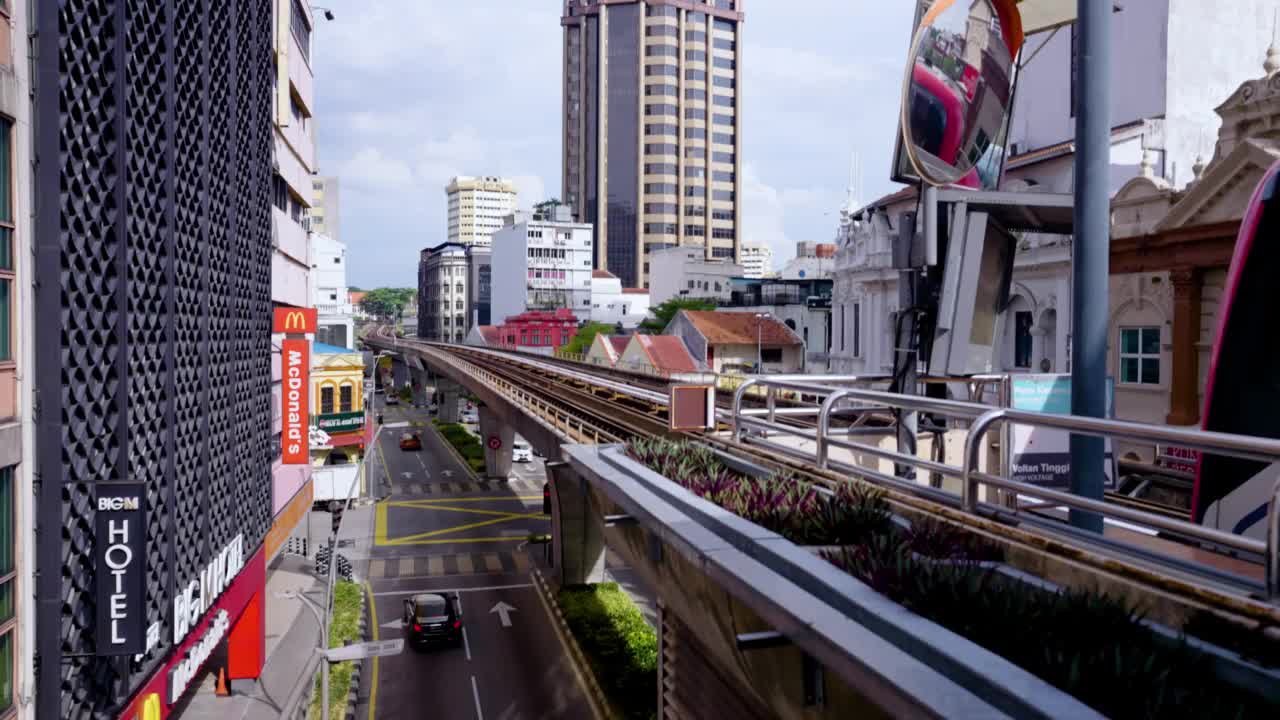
<point x="406" y="474"/>
<point x="447" y="473"/>
<point x="504" y="612"/>
<point x="393" y="625"/>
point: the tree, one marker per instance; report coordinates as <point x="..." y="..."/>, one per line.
<point x="543" y="209"/>
<point x="586" y="335"/>
<point x="386" y="302"/>
<point x="661" y="316"/>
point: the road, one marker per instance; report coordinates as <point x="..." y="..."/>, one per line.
<point x="437" y="529"/>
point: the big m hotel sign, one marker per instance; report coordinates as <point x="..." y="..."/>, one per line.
<point x="120" y="533"/>
<point x="295" y="360"/>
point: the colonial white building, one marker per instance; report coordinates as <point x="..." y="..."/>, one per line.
<point x="330" y="296"/>
<point x="1175" y="213"/>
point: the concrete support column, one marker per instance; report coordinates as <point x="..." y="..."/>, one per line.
<point x="577" y="529"/>
<point x="1037" y="348"/>
<point x="497" y="438"/>
<point x="1184" y="395"/>
<point x="448" y="401"/>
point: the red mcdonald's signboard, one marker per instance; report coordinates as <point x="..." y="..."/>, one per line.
<point x="294" y="320"/>
<point x="295" y="357"/>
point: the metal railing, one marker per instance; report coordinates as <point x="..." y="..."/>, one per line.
<point x="760" y="427"/>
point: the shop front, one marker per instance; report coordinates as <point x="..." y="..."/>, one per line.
<point x="224" y="633"/>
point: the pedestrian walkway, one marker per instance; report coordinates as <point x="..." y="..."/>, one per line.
<point x="528" y="487"/>
<point x="463" y="563"/>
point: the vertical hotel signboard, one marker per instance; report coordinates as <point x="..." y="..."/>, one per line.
<point x="121" y="554"/>
<point x="295" y="360"/>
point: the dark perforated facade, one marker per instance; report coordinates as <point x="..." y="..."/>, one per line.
<point x="153" y="310"/>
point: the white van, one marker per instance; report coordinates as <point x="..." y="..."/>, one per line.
<point x="521" y="452"/>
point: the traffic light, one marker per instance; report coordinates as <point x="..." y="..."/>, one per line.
<point x="546" y="498"/>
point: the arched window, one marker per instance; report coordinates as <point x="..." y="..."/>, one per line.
<point x="346" y="398"/>
<point x="326" y="400"/>
<point x="791" y="324"/>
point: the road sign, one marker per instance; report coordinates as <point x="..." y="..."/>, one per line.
<point x="504" y="612"/>
<point x="377" y="648"/>
<point x="495" y="442"/>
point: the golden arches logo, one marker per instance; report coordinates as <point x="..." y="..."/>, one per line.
<point x="150" y="707"/>
<point x="295" y="320"/>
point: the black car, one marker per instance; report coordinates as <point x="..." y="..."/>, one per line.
<point x="431" y="619"/>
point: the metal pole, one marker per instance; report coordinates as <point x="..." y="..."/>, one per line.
<point x="759" y="362"/>
<point x="1090" y="249"/>
<point x="908" y="420"/>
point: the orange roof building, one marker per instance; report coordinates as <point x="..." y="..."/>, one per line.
<point x="663" y="355"/>
<point x="733" y="341"/>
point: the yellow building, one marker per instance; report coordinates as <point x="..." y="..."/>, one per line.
<point x="337" y="405"/>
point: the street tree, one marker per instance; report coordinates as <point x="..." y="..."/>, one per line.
<point x="661" y="315"/>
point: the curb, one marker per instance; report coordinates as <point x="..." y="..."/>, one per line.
<point x="462" y="462"/>
<point x="596" y="696"/>
<point x="353" y="690"/>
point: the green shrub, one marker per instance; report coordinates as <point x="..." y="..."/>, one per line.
<point x="344" y="628"/>
<point x="467" y="445"/>
<point x="619" y="644"/>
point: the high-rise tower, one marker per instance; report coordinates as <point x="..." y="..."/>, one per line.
<point x="652" y="110"/>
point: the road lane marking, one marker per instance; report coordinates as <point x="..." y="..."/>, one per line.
<point x="475" y="692"/>
<point x="435" y="565"/>
<point x="373" y="679"/>
<point x="462" y="540"/>
<point x="466" y="645"/>
<point x="522" y="562"/>
<point x="393" y="566"/>
<point x="429" y="503"/>
<point x="484" y="588"/>
<point x="465" y="567"/>
<point x="545" y="602"/>
<point x="377" y="568"/>
<point x="501" y="518"/>
<point x="492" y="562"/>
<point x="380" y="524"/>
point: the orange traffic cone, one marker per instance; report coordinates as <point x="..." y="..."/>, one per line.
<point x="222" y="690"/>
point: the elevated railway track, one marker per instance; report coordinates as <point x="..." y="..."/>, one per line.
<point x="1149" y="554"/>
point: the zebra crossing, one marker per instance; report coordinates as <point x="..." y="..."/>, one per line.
<point x="475" y="563"/>
<point x="521" y="487"/>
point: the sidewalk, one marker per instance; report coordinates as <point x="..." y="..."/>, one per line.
<point x="291" y="631"/>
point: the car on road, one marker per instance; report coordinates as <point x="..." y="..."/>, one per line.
<point x="521" y="452"/>
<point x="471" y="417"/>
<point x="410" y="441"/>
<point x="432" y="619"/>
<point x="392" y="399"/>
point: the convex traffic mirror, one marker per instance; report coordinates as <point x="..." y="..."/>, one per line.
<point x="958" y="91"/>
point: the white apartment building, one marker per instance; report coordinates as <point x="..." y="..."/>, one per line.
<point x="478" y="207"/>
<point x="326" y="213"/>
<point x="757" y="260"/>
<point x="611" y="303"/>
<point x="330" y="296"/>
<point x="685" y="272"/>
<point x="293" y="105"/>
<point x="541" y="265"/>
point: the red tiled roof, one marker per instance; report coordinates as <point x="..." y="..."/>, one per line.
<point x="667" y="353"/>
<point x="739" y="328"/>
<point x="618" y="342"/>
<point x="490" y="333"/>
<point x="603" y="275"/>
<point x="356" y="296"/>
<point x="635" y="291"/>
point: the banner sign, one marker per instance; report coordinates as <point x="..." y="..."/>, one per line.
<point x="121" y="534"/>
<point x="1042" y="456"/>
<point x="295" y="356"/>
<point x="339" y="422"/>
<point x="294" y="320"/>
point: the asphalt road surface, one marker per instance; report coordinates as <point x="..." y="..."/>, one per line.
<point x="438" y="529"/>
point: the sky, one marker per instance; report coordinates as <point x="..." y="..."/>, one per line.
<point x="410" y="93"/>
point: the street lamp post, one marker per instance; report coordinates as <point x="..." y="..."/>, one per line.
<point x="759" y="354"/>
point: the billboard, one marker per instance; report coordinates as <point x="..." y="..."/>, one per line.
<point x="295" y="357"/>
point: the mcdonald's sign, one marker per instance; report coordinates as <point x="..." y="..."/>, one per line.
<point x="294" y="320"/>
<point x="295" y="357"/>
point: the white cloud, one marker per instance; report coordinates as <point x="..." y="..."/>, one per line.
<point x="763" y="214"/>
<point x="370" y="170"/>
<point x="532" y="190"/>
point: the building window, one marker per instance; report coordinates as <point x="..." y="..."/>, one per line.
<point x="1140" y="355"/>
<point x="345" y="398"/>
<point x="326" y="400"/>
<point x="771" y="355"/>
<point x="301" y="30"/>
<point x="857" y="330"/>
<point x="1022" y="339"/>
